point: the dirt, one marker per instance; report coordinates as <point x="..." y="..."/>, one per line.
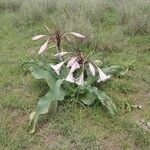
<point x="118" y="142"/>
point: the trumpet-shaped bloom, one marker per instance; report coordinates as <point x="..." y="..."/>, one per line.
<point x="43" y="47"/>
<point x="102" y="76"/>
<point x="75" y="66"/>
<point x="57" y="67"/>
<point x="80" y="80"/>
<point x="71" y="62"/>
<point x="38" y="37"/>
<point x="70" y="77"/>
<point x="77" y="34"/>
<point x="61" y="54"/>
<point x="92" y="69"/>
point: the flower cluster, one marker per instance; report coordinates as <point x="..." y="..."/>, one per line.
<point x="56" y="39"/>
<point x="79" y="62"/>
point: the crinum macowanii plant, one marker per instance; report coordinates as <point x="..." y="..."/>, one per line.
<point x="73" y="76"/>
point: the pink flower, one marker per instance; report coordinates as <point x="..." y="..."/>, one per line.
<point x="80" y="80"/>
<point x="92" y="69"/>
<point x="70" y="77"/>
<point x="57" y="67"/>
<point x="38" y="37"/>
<point x="71" y="62"/>
<point x="102" y="76"/>
<point x="61" y="54"/>
<point x="43" y="47"/>
<point x="77" y="34"/>
<point x="75" y="66"/>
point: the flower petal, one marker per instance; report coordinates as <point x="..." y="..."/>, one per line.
<point x="75" y="66"/>
<point x="77" y="34"/>
<point x="57" y="67"/>
<point x="98" y="62"/>
<point x="38" y="37"/>
<point x="102" y="76"/>
<point x="92" y="69"/>
<point x="43" y="47"/>
<point x="71" y="62"/>
<point x="61" y="54"/>
<point x="70" y="77"/>
<point x="67" y="39"/>
<point x="80" y="80"/>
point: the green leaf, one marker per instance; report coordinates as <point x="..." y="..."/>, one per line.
<point x="43" y="104"/>
<point x="40" y="73"/>
<point x="42" y="108"/>
<point x="90" y="78"/>
<point x="114" y="70"/>
<point x="33" y="121"/>
<point x="35" y="63"/>
<point x="111" y="107"/>
<point x="102" y="97"/>
<point x="59" y="93"/>
<point x="106" y="101"/>
<point x="81" y="89"/>
<point x="88" y="98"/>
<point x="128" y="107"/>
<point x="30" y="62"/>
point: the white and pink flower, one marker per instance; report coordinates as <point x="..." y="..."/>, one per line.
<point x="75" y="66"/>
<point x="71" y="62"/>
<point x="57" y="67"/>
<point x="80" y="80"/>
<point x="102" y="76"/>
<point x="70" y="77"/>
<point x="92" y="69"/>
<point x="61" y="54"/>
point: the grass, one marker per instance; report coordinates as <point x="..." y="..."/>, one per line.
<point x="74" y="126"/>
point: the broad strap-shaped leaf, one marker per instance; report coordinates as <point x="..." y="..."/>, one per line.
<point x="113" y="70"/>
<point x="59" y="93"/>
<point x="43" y="104"/>
<point x="42" y="108"/>
<point x="41" y="73"/>
<point x="38" y="64"/>
<point x="101" y="96"/>
<point x="111" y="107"/>
<point x="33" y="122"/>
<point x="89" y="95"/>
<point x="90" y="78"/>
<point x="88" y="98"/>
<point x="81" y="89"/>
<point x="106" y="101"/>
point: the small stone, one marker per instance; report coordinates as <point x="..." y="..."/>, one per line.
<point x="144" y="127"/>
<point x="142" y="120"/>
<point x="139" y="107"/>
<point x="148" y="124"/>
<point x="139" y="122"/>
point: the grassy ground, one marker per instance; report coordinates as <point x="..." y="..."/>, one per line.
<point x="116" y="40"/>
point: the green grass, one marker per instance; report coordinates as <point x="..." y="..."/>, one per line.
<point x="73" y="126"/>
